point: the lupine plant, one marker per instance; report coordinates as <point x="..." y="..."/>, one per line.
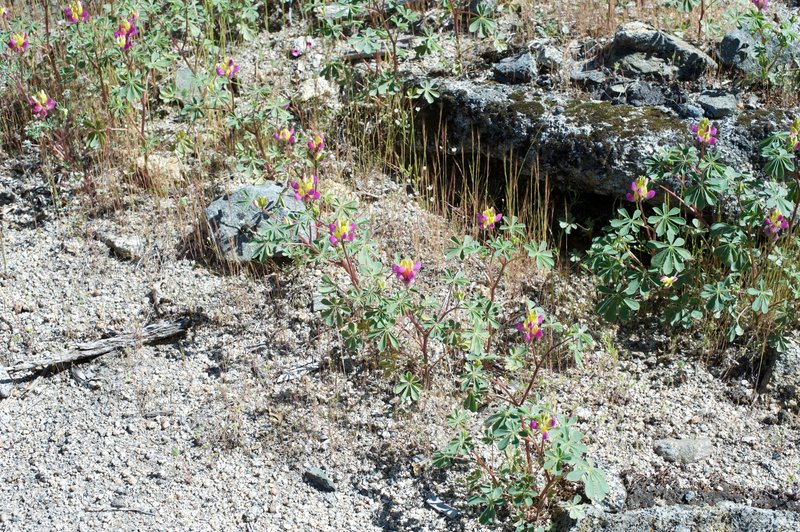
<point x="775" y="38"/>
<point x="377" y="307"/>
<point x="715" y="246"/>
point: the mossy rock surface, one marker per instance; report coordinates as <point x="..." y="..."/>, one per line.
<point x="583" y="145"/>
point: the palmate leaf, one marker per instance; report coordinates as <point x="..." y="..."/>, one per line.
<point x="543" y="256"/>
<point x="667" y="221"/>
<point x="594" y="481"/>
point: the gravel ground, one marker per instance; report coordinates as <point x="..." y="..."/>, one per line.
<point x="198" y="434"/>
<point x="201" y="433"/>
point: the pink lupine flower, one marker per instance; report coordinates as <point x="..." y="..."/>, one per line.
<point x="18" y="42"/>
<point x="285" y="135"/>
<point x="761" y="5"/>
<point x="529" y="327"/>
<point x="306" y="189"/>
<point x="406" y="270"/>
<point x="315" y="147"/>
<point x="41" y="104"/>
<point x="706" y="133"/>
<point x="775" y="223"/>
<point x="75" y="12"/>
<point x="488" y="218"/>
<point x="342" y="230"/>
<point x="794" y="134"/>
<point x="227" y="69"/>
<point x="543" y="424"/>
<point x="668" y="280"/>
<point x="126" y="31"/>
<point x="639" y="190"/>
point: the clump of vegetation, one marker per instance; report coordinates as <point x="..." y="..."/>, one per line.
<point x="721" y="248"/>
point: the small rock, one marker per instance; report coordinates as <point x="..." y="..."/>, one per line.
<point x="516" y="69"/>
<point x="253" y="513"/>
<point x="441" y="507"/>
<point x="689" y="496"/>
<point x="685" y="451"/>
<point x="5" y="384"/>
<point x="690" y="110"/>
<point x="550" y="58"/>
<point x="129" y="247"/>
<point x="587" y="78"/>
<point x="718" y="104"/>
<point x="317" y="478"/>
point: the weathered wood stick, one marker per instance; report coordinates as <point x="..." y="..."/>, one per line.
<point x="155" y="332"/>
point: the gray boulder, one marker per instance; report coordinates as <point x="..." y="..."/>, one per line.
<point x="737" y="50"/>
<point x="235" y="221"/>
<point x="641" y="50"/>
<point x="586" y="146"/>
<point x="718" y="104"/>
<point x="724" y="517"/>
<point x="685" y="450"/>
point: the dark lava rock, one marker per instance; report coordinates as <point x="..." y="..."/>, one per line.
<point x="643" y="51"/>
<point x="588" y="78"/>
<point x="549" y="58"/>
<point x="236" y="222"/>
<point x="592" y="146"/>
<point x="319" y="479"/>
<point x="690" y="110"/>
<point x="520" y="68"/>
<point x="718" y="104"/>
<point x="643" y="93"/>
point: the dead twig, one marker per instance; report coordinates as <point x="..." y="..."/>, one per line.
<point x="120" y="509"/>
<point x="155" y="332"/>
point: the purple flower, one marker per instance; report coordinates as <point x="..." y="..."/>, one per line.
<point x="296" y="52"/>
<point x="406" y="270"/>
<point x="306" y="189"/>
<point x="667" y="280"/>
<point x="285" y="135"/>
<point x="41" y="104"/>
<point x="227" y="69"/>
<point x="706" y="133"/>
<point x="315" y="147"/>
<point x="126" y="31"/>
<point x="529" y="327"/>
<point x="342" y="230"/>
<point x="488" y="218"/>
<point x="639" y="190"/>
<point x="75" y="12"/>
<point x="18" y="42"/>
<point x="761" y="5"/>
<point x="543" y="424"/>
<point x="775" y="223"/>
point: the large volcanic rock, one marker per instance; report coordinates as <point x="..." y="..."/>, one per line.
<point x="588" y="146"/>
